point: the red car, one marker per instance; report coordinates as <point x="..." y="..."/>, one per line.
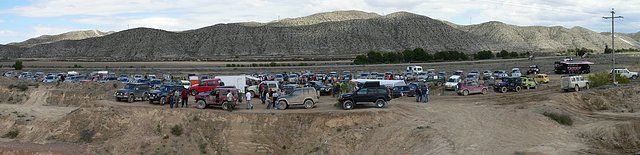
<point x="471" y="87"/>
<point x="218" y="98"/>
<point x="205" y="86"/>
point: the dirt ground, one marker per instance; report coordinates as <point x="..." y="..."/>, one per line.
<point x="85" y="119"/>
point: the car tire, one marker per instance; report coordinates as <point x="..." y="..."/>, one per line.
<point x="193" y="93"/>
<point x="465" y="93"/>
<point x="503" y="89"/>
<point x="347" y="105"/>
<point x="576" y="88"/>
<point x="226" y="106"/>
<point x="634" y="77"/>
<point x="518" y="88"/>
<point x="380" y="103"/>
<point x="145" y="97"/>
<point x="163" y="100"/>
<point x="131" y="99"/>
<point x="308" y="104"/>
<point x="201" y="104"/>
<point x="484" y="91"/>
<point x="282" y="105"/>
<point x="586" y="86"/>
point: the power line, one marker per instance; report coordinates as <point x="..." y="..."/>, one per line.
<point x="613" y="49"/>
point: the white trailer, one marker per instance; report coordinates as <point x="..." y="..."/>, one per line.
<point x="386" y="83"/>
<point x="238" y="81"/>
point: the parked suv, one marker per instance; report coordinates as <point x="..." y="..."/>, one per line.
<point x="132" y="91"/>
<point x="161" y="95"/>
<point x="533" y="69"/>
<point x="307" y="96"/>
<point x="324" y="89"/>
<point x="205" y="86"/>
<point x="573" y="83"/>
<point x="624" y="72"/>
<point x="369" y="92"/>
<point x="509" y="83"/>
<point x="471" y="87"/>
<point x="217" y="98"/>
<point x="528" y="82"/>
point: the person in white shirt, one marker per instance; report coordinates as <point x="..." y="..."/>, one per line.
<point x="229" y="96"/>
<point x="275" y="100"/>
<point x="248" y="96"/>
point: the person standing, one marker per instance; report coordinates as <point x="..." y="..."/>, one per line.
<point x="185" y="98"/>
<point x="249" y="105"/>
<point x="171" y="101"/>
<point x="176" y="97"/>
<point x="418" y="94"/>
<point x="275" y="95"/>
<point x="270" y="103"/>
<point x="425" y="94"/>
<point x="263" y="92"/>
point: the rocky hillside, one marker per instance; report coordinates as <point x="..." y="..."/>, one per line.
<point x="74" y="35"/>
<point x="342" y="33"/>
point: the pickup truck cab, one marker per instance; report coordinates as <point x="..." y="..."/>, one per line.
<point x="368" y="93"/>
<point x="575" y="83"/>
<point x="205" y="85"/>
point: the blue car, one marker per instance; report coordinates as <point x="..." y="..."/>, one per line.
<point x="161" y="94"/>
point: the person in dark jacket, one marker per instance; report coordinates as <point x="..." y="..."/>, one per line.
<point x="418" y="94"/>
<point x="185" y="98"/>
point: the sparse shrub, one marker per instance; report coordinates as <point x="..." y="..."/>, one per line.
<point x="284" y="147"/>
<point x="158" y="129"/>
<point x="195" y="118"/>
<point x="77" y="66"/>
<point x="604" y="78"/>
<point x="11" y="134"/>
<point x="203" y="148"/>
<point x="18" y="65"/>
<point x="115" y="85"/>
<point x="560" y="118"/>
<point x="315" y="149"/>
<point x="176" y="130"/>
<point x="21" y="87"/>
<point x="338" y="104"/>
<point x="86" y="135"/>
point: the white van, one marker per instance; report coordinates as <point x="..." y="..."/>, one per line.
<point x="414" y="69"/>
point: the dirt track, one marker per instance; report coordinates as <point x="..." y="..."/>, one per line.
<point x="52" y="118"/>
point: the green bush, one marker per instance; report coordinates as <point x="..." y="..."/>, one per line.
<point x="486" y="54"/>
<point x="176" y="130"/>
<point x="11" y="134"/>
<point x="560" y="118"/>
<point x="604" y="78"/>
<point x="18" y="65"/>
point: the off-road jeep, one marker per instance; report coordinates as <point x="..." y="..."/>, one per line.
<point x="307" y="96"/>
<point x="217" y="98"/>
<point x="528" y="82"/>
<point x="624" y="72"/>
<point x="573" y="83"/>
<point x="509" y="83"/>
<point x="132" y="91"/>
<point x="471" y="87"/>
<point x="369" y="92"/>
<point x="162" y="94"/>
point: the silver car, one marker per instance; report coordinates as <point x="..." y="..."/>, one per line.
<point x="307" y="96"/>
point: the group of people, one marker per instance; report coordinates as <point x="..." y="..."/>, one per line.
<point x="422" y="94"/>
<point x="179" y="96"/>
<point x="268" y="96"/>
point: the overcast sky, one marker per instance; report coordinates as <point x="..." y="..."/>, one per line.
<point x="23" y="19"/>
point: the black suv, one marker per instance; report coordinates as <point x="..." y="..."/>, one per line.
<point x="319" y="86"/>
<point x="368" y="93"/>
<point x="162" y="94"/>
<point x="132" y="91"/>
<point x="509" y="83"/>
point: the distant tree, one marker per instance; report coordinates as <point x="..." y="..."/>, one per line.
<point x="503" y="53"/>
<point x="486" y="54"/>
<point x="360" y="60"/>
<point x="375" y="57"/>
<point x="18" y="65"/>
<point x="408" y="55"/>
<point x="513" y="54"/>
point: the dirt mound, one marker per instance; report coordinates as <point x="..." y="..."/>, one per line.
<point x="618" y="100"/>
<point x="607" y="137"/>
<point x="76" y="94"/>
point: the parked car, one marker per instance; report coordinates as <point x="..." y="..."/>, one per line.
<point x="273" y="85"/>
<point x="319" y="86"/>
<point x="10" y="74"/>
<point x="399" y="91"/>
<point x="369" y="92"/>
<point x="624" y="72"/>
<point x="307" y="96"/>
<point x="161" y="95"/>
<point x="515" y="72"/>
<point x="279" y="77"/>
<point x="205" y="85"/>
<point x="509" y="84"/>
<point x="500" y="74"/>
<point x="533" y="69"/>
<point x="486" y="74"/>
<point x="528" y="82"/>
<point x="217" y="98"/>
<point x="289" y="88"/>
<point x="452" y="83"/>
<point x="50" y="79"/>
<point x="459" y="73"/>
<point x="155" y="83"/>
<point x="575" y="83"/>
<point x="413" y="86"/>
<point x="541" y="78"/>
<point x="132" y="91"/>
<point x="471" y="87"/>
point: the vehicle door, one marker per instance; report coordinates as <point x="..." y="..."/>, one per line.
<point x="213" y="97"/>
<point x="474" y="87"/>
<point x="298" y="95"/>
<point x="362" y="95"/>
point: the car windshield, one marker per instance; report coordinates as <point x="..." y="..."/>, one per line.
<point x="509" y="80"/>
<point x="49" y="77"/>
<point x="452" y="80"/>
<point x="129" y="86"/>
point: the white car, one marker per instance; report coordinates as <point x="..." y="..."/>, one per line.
<point x="573" y="83"/>
<point x="452" y="83"/>
<point x="624" y="72"/>
<point x="50" y="79"/>
<point x="515" y="72"/>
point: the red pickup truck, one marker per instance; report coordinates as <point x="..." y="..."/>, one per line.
<point x="205" y="86"/>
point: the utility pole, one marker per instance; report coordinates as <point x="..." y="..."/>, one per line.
<point x="613" y="50"/>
